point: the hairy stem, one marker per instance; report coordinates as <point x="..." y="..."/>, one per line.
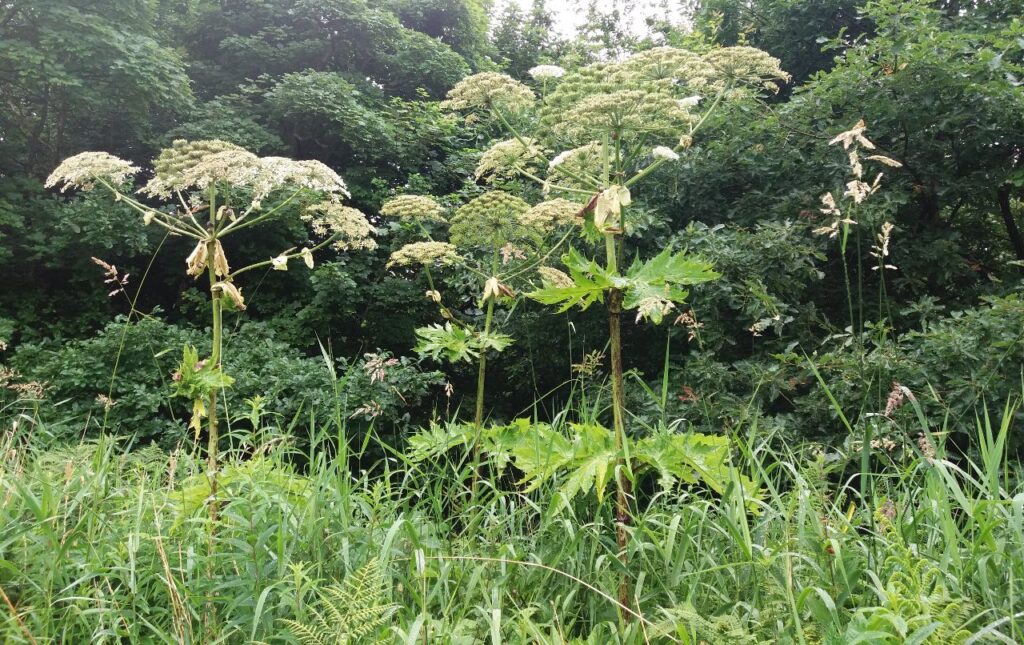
<point x="481" y="379"/>
<point x="210" y="619"/>
<point x="622" y="484"/>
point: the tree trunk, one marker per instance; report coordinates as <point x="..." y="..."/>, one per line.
<point x="1012" y="230"/>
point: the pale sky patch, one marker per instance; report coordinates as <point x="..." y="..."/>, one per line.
<point x="569" y="15"/>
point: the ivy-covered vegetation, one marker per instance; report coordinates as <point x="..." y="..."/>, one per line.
<point x="426" y="321"/>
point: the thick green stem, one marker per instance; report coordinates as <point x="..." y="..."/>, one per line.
<point x="212" y="422"/>
<point x="846" y="278"/>
<point x="622" y="483"/>
<point x="623" y="487"/>
<point x="478" y="416"/>
<point x="481" y="379"/>
<point x="210" y="619"/>
<point x="213" y="437"/>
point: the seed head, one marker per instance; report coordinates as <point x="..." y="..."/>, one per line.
<point x="413" y="207"/>
<point x="490" y="220"/>
<point x="425" y="254"/>
<point x="348" y="224"/>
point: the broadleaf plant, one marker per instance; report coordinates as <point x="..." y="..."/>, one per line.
<point x="498" y="239"/>
<point x="582" y="458"/>
<point x="616" y="123"/>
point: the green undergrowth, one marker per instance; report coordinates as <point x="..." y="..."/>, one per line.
<point x="98" y="544"/>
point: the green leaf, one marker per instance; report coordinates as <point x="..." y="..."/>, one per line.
<point x="197" y="379"/>
<point x="658" y="280"/>
<point x="587" y="458"/>
<point x="455" y="344"/>
<point x="667" y="267"/>
<point x="492" y="341"/>
<point x="692" y="458"/>
<point x="590" y="282"/>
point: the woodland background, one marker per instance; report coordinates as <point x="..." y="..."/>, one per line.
<point x="356" y="84"/>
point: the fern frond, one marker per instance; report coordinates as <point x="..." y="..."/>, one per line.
<point x="349" y="612"/>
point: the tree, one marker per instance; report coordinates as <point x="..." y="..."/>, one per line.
<point x="792" y="30"/>
<point x="231" y="42"/>
<point x="522" y="42"/>
<point x="76" y="74"/>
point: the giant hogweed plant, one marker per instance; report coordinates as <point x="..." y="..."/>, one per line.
<point x="206" y="191"/>
<point x="615" y="124"/>
<point x="497" y="240"/>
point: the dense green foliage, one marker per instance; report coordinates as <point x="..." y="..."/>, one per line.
<point x="810" y="383"/>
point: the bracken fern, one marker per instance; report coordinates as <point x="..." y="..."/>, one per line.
<point x="352" y="612"/>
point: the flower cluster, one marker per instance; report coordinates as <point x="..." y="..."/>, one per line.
<point x="666" y="153"/>
<point x="652" y="93"/>
<point x="552" y="214"/>
<point x="667" y="67"/>
<point x="276" y="172"/>
<point x="413" y="207"/>
<point x="83" y="170"/>
<point x="490" y="220"/>
<point x="507" y="158"/>
<point x="347" y="224"/>
<point x="546" y="72"/>
<point x="747" y="66"/>
<point x="488" y="90"/>
<point x="552" y="277"/>
<point x="578" y="162"/>
<point x="830" y="208"/>
<point x="854" y="140"/>
<point x="621" y="110"/>
<point x="198" y="164"/>
<point x="653" y="308"/>
<point x="425" y="254"/>
<point x="880" y="251"/>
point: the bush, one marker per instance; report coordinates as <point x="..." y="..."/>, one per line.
<point x="143" y="355"/>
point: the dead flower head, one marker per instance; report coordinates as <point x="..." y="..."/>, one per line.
<point x="854" y="137"/>
<point x="898" y="394"/>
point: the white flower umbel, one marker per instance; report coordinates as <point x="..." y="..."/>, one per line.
<point x="200" y="164"/>
<point x="560" y="158"/>
<point x="546" y="72"/>
<point x="488" y="90"/>
<point x="348" y="226"/>
<point x="666" y="153"/>
<point x="689" y="102"/>
<point x="83" y="170"/>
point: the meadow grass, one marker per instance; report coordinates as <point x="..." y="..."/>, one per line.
<point x="102" y="544"/>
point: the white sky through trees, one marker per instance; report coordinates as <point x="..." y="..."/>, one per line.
<point x="569" y="15"/>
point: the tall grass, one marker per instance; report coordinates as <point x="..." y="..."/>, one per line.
<point x="100" y="544"/>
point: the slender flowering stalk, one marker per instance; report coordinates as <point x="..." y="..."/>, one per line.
<point x="854" y="142"/>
